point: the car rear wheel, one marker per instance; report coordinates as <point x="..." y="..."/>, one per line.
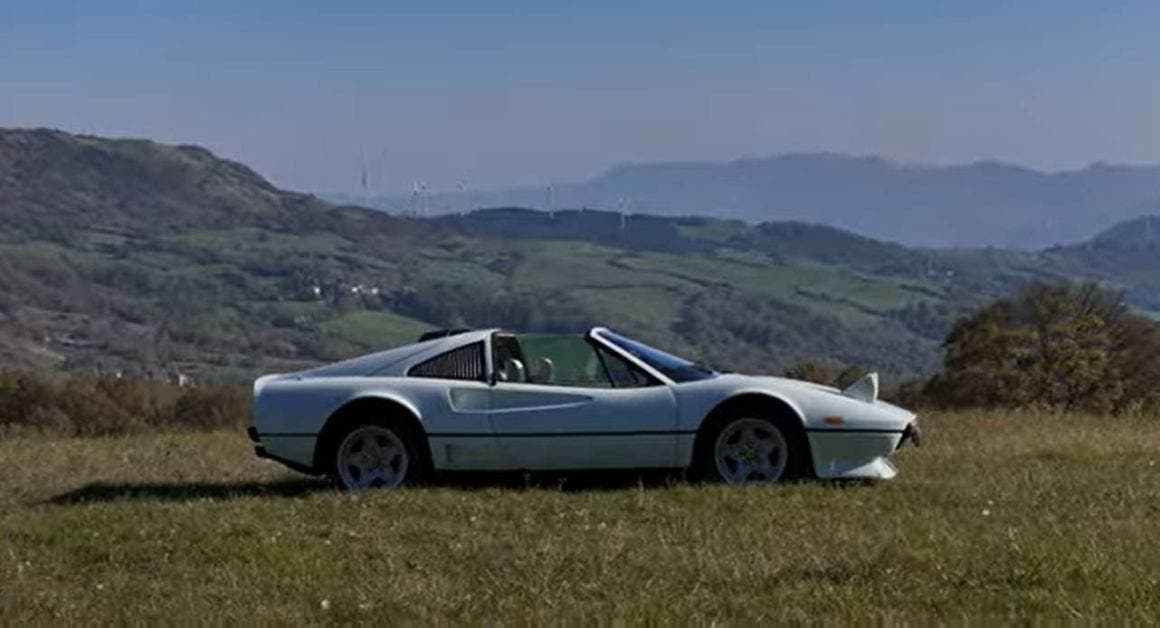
<point x="748" y="450"/>
<point x="375" y="455"/>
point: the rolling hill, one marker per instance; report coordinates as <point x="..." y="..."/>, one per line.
<point x="127" y="255"/>
<point x="987" y="203"/>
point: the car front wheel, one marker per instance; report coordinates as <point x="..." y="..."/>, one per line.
<point x="745" y="450"/>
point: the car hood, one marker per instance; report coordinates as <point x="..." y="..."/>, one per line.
<point x="778" y="383"/>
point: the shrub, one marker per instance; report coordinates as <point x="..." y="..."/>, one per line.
<point x="810" y="372"/>
<point x="1067" y="347"/>
<point x="211" y="407"/>
<point x="819" y="374"/>
<point x="86" y="405"/>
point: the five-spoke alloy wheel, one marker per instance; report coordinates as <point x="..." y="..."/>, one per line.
<point x="373" y="455"/>
<point x="750" y="445"/>
<point x="750" y="450"/>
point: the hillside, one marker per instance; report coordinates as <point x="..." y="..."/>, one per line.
<point x="1128" y="255"/>
<point x="979" y="204"/>
<point x="127" y="255"/>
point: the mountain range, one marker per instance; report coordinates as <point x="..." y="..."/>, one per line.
<point x="987" y="203"/>
<point x="134" y="256"/>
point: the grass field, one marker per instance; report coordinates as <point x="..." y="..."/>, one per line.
<point x="997" y="517"/>
<point x="375" y="328"/>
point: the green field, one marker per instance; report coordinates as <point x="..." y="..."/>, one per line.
<point x="375" y="328"/>
<point x="998" y="517"/>
<point x="265" y="240"/>
<point x="834" y="291"/>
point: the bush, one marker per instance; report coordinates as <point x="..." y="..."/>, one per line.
<point x="810" y="372"/>
<point x="211" y="407"/>
<point x="85" y="405"/>
<point x="1066" y="347"/>
<point x="820" y="374"/>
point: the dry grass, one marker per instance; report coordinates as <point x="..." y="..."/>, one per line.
<point x="998" y="517"/>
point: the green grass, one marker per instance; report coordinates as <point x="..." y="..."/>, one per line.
<point x="997" y="518"/>
<point x="378" y="329"/>
<point x="719" y="231"/>
<point x="571" y="264"/>
<point x="255" y="239"/>
<point x="828" y="290"/>
<point x="643" y="307"/>
<point x="308" y="309"/>
<point x="604" y="276"/>
<point x="460" y="272"/>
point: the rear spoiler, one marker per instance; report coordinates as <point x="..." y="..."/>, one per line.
<point x="865" y="389"/>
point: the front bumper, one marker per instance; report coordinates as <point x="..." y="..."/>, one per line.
<point x="840" y="454"/>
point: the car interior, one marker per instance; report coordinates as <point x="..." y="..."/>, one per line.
<point x="561" y="360"/>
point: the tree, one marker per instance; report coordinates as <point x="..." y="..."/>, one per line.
<point x="1070" y="347"/>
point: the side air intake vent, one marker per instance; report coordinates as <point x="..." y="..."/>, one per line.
<point x="464" y="363"/>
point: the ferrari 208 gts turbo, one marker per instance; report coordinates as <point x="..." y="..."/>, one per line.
<point x="493" y="400"/>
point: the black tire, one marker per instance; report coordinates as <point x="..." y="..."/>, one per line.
<point x="796" y="450"/>
<point x="413" y="443"/>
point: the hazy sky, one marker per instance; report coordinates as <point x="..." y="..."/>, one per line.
<point x="498" y="93"/>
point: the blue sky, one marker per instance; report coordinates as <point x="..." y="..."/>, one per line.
<point x="496" y="93"/>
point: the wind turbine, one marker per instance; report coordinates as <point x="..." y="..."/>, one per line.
<point x="462" y="186"/>
<point x="365" y="180"/>
<point x="415" y="191"/>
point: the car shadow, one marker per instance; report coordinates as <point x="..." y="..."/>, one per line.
<point x="188" y="491"/>
<point x="574" y="482"/>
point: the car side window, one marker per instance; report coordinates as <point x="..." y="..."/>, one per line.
<point x="623" y="373"/>
<point x="464" y="363"/>
<point x="559" y="360"/>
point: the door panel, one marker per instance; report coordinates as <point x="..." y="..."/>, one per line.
<point x="457" y="424"/>
<point x="557" y="427"/>
<point x="527" y="398"/>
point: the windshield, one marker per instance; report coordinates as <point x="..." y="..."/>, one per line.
<point x="677" y="369"/>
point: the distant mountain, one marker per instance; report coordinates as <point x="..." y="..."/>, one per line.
<point x="1140" y="233"/>
<point x="1126" y="255"/>
<point x="982" y="204"/>
<point x="128" y="255"/>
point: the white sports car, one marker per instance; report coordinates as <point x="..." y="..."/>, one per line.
<point x="492" y="400"/>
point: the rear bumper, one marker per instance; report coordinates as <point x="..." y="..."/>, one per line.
<point x="261" y="452"/>
<point x="294" y="451"/>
